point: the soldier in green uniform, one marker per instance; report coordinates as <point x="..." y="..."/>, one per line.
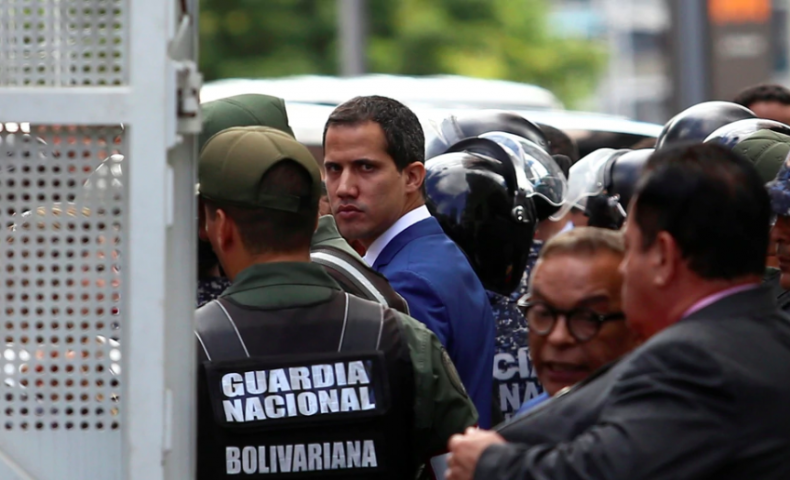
<point x="236" y="111"/>
<point x="296" y="376"/>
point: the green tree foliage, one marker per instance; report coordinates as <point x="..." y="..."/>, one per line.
<point x="505" y="39"/>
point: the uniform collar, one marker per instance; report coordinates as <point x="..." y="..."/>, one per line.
<point x="326" y="231"/>
<point x="264" y="275"/>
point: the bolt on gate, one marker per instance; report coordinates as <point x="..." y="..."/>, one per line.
<point x="98" y="124"/>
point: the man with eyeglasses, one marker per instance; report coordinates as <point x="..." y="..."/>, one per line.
<point x="704" y="395"/>
<point x="573" y="310"/>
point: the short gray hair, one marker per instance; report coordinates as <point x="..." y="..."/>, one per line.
<point x="585" y="241"/>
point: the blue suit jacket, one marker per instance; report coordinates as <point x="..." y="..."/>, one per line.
<point x="433" y="275"/>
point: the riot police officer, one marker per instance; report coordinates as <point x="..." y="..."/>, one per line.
<point x="481" y="195"/>
<point x="442" y="136"/>
<point x="235" y="111"/>
<point x="295" y="375"/>
<point x="602" y="183"/>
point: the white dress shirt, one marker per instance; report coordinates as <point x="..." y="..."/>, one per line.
<point x="417" y="215"/>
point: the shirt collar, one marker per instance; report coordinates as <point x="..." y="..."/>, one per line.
<point x="711" y="299"/>
<point x="417" y="215"/>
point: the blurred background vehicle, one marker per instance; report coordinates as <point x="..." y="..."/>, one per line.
<point x="310" y="100"/>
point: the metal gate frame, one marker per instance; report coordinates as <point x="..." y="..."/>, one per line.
<point x="159" y="108"/>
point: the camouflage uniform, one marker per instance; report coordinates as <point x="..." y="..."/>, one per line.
<point x="523" y="287"/>
<point x="514" y="376"/>
<point x="210" y="288"/>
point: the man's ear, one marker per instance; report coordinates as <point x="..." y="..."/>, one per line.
<point x="415" y="176"/>
<point x="666" y="259"/>
<point x="201" y="207"/>
<point x="224" y="230"/>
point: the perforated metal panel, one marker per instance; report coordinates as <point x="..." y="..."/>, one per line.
<point x="62" y="197"/>
<point x="62" y="42"/>
<point x="97" y="238"/>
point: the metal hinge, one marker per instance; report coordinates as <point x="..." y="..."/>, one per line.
<point x="188" y="80"/>
<point x="188" y="83"/>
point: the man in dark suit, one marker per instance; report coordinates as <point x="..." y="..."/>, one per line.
<point x="374" y="160"/>
<point x="706" y="396"/>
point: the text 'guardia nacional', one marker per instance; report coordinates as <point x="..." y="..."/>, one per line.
<point x="297" y="391"/>
<point x="310" y="457"/>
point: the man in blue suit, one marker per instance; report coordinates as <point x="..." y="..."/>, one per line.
<point x="375" y="168"/>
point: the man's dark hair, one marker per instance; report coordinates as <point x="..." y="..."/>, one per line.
<point x="763" y="93"/>
<point x="714" y="205"/>
<point x="265" y="230"/>
<point x="560" y="143"/>
<point x="402" y="130"/>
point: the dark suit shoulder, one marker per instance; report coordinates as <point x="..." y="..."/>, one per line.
<point x="687" y="366"/>
<point x="741" y="339"/>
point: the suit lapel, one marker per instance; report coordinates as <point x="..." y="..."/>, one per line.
<point x="567" y="391"/>
<point x="423" y="228"/>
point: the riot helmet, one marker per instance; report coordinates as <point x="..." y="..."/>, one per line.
<point x="765" y="143"/>
<point x="620" y="176"/>
<point x="734" y="133"/>
<point x="439" y="137"/>
<point x="549" y="183"/>
<point x="602" y="184"/>
<point x="696" y="123"/>
<point x="483" y="203"/>
<point x="586" y="180"/>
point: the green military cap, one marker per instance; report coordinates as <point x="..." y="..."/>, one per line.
<point x="767" y="150"/>
<point x="234" y="161"/>
<point x="243" y="111"/>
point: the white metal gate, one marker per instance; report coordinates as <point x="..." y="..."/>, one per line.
<point x="97" y="147"/>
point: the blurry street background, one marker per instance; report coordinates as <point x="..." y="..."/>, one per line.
<point x="644" y="59"/>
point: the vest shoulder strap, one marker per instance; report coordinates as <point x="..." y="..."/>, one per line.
<point x="220" y="338"/>
<point x="363" y="326"/>
<point x="348" y="267"/>
<point x="218" y="334"/>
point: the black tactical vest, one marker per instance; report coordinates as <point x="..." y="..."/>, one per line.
<point x="323" y="391"/>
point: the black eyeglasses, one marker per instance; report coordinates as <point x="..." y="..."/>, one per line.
<point x="582" y="323"/>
